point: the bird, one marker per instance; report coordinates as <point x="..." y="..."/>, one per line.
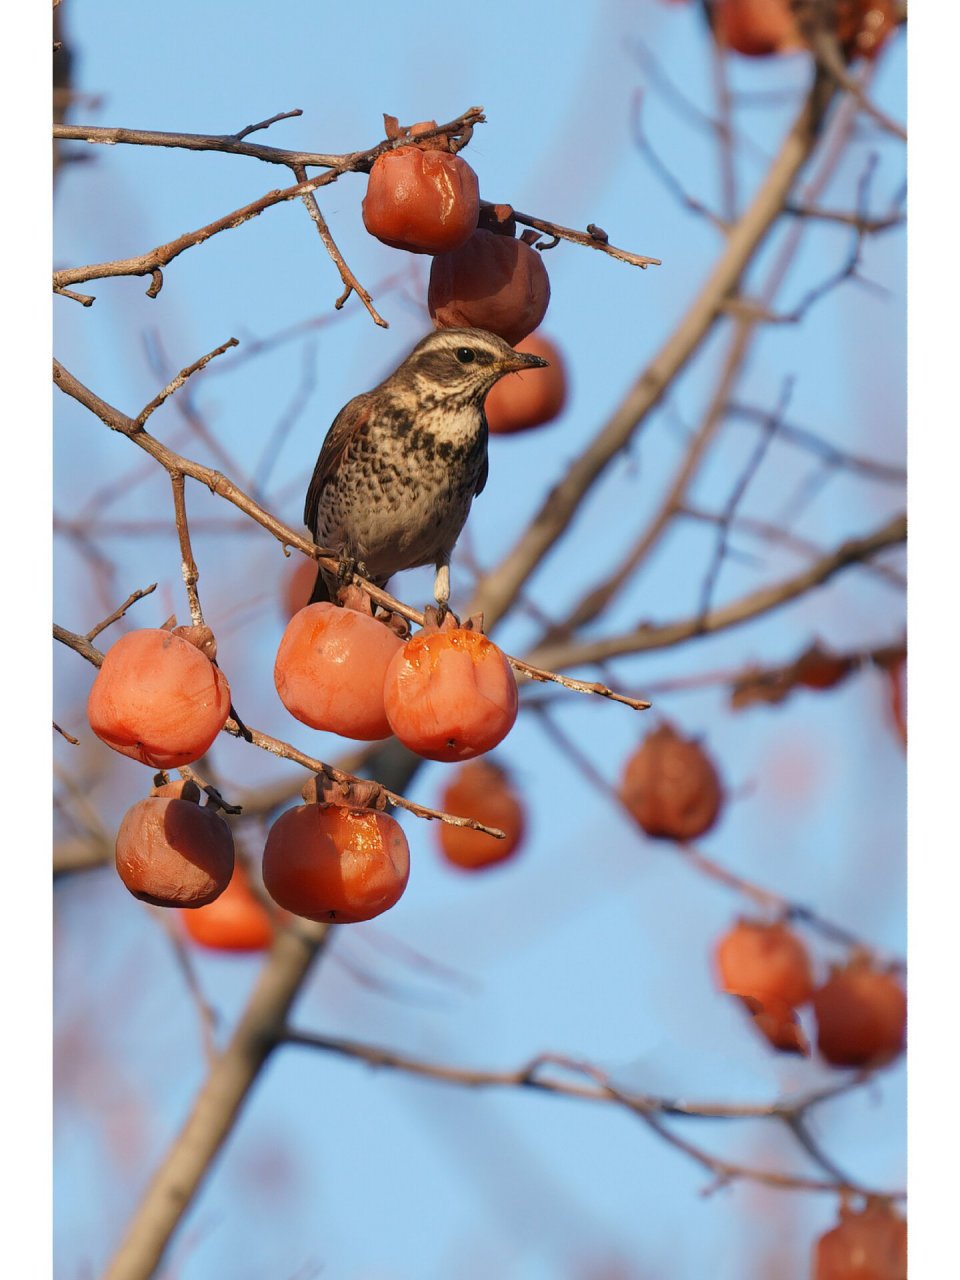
<point x="401" y="464"/>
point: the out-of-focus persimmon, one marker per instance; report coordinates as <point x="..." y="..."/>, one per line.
<point x="492" y="282"/>
<point x="298" y="587"/>
<point x="864" y="26"/>
<point x="335" y="863"/>
<point x="421" y="197"/>
<point x="235" y="921"/>
<point x="172" y="852"/>
<point x="756" y="28"/>
<point x="671" y="786"/>
<point x="767" y="963"/>
<point x="861" y="1014"/>
<point x="450" y="695"/>
<point x="330" y="670"/>
<point x="481" y="790"/>
<point x="779" y="1025"/>
<point x="867" y="1245"/>
<point x="531" y="398"/>
<point x="158" y="699"/>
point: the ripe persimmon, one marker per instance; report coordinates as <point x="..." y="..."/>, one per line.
<point x="756" y="28"/>
<point x="158" y="699"/>
<point x="766" y="963"/>
<point x="536" y="396"/>
<point x="173" y="852"/>
<point x="335" y="863"/>
<point x="421" y="197"/>
<point x="861" y="1014"/>
<point x="330" y="670"/>
<point x="866" y="1245"/>
<point x="450" y="694"/>
<point x="481" y="790"/>
<point x="671" y="786"/>
<point x="235" y="921"/>
<point x="491" y="282"/>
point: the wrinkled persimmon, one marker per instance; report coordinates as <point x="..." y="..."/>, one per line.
<point x="421" y="197"/>
<point x="330" y="670"/>
<point x="671" y="787"/>
<point x="334" y="863"/>
<point x="861" y="1014"/>
<point x="520" y="401"/>
<point x="158" y="699"/>
<point x="297" y="587"/>
<point x="174" y="853"/>
<point x="767" y="963"/>
<point x="492" y="282"/>
<point x="481" y="790"/>
<point x="235" y="921"/>
<point x="450" y="695"/>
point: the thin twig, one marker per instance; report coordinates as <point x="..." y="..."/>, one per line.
<point x="118" y="613"/>
<point x="350" y="282"/>
<point x="176" y="383"/>
<point x="188" y="565"/>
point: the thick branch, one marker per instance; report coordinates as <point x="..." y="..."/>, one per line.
<point x="646" y="637"/>
<point x="218" y="1104"/>
<point x="499" y="589"/>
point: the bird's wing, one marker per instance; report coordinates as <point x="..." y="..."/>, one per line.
<point x="485" y="465"/>
<point x="348" y="421"/>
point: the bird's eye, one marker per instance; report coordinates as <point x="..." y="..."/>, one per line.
<point x="466" y="355"/>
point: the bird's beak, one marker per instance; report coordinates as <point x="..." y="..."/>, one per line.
<point x="518" y="360"/>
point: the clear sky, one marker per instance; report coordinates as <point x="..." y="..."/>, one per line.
<point x="593" y="943"/>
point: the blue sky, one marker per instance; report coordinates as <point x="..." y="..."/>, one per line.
<point x="593" y="943"/>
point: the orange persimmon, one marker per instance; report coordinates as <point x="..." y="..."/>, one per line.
<point x="861" y="1014"/>
<point x="450" y="695"/>
<point x="330" y="670"/>
<point x="756" y="28"/>
<point x="481" y="790"/>
<point x="158" y="699"/>
<point x="235" y="921"/>
<point x="536" y="396"/>
<point x="421" y="197"/>
<point x="766" y="963"/>
<point x="335" y="863"/>
<point x="172" y="852"/>
<point x="869" y="1245"/>
<point x="671" y="786"/>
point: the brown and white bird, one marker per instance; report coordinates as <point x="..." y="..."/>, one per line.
<point x="402" y="463"/>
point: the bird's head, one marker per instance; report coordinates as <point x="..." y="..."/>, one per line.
<point x="461" y="365"/>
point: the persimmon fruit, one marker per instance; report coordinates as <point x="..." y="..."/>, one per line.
<point x="756" y="28"/>
<point x="450" y="695"/>
<point x="867" y="1245"/>
<point x="481" y="790"/>
<point x="421" y="198"/>
<point x="235" y="921"/>
<point x="330" y="670"/>
<point x="491" y="282"/>
<point x="335" y="863"/>
<point x="298" y="587"/>
<point x="174" y="853"/>
<point x="671" y="786"/>
<point x="864" y="26"/>
<point x="861" y="1014"/>
<point x="520" y="401"/>
<point x="767" y="963"/>
<point x="158" y="699"/>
